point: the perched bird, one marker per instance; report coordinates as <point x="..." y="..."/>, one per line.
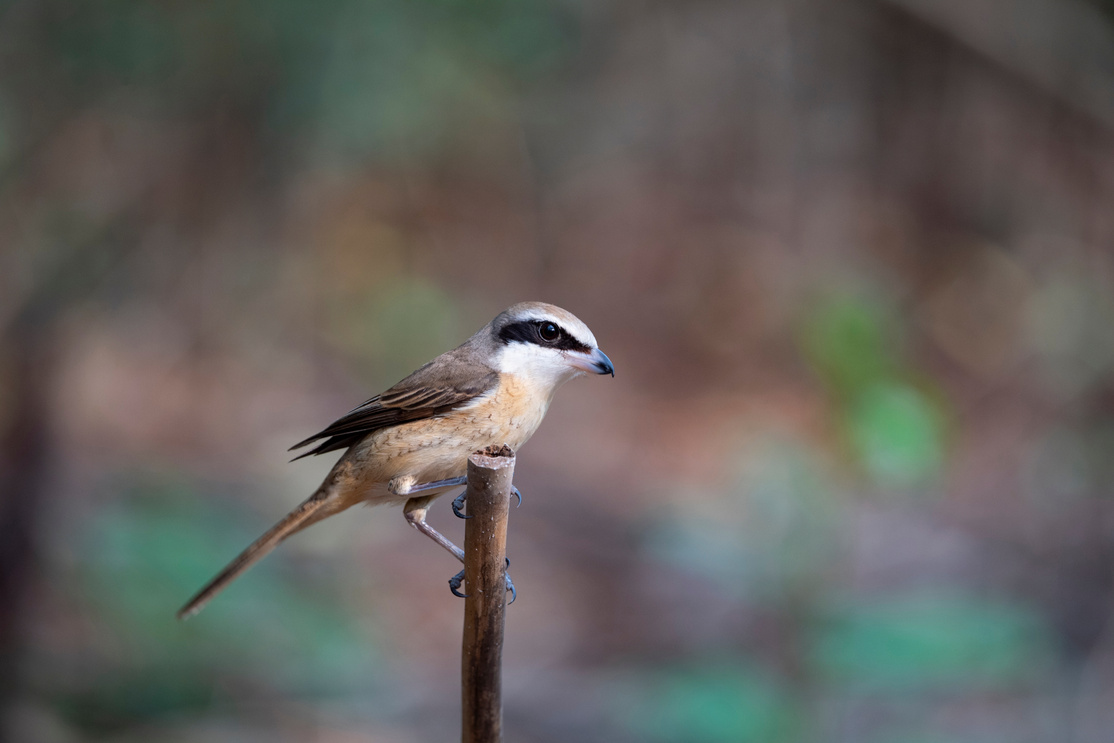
<point x="411" y="443"/>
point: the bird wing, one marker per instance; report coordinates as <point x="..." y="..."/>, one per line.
<point x="442" y="385"/>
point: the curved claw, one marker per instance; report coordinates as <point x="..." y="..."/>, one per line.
<point x="510" y="583"/>
<point x="458" y="503"/>
<point x="516" y="494"/>
<point x="454" y="585"/>
<point x="458" y="579"/>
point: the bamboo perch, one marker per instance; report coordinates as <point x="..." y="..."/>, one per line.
<point x="490" y="475"/>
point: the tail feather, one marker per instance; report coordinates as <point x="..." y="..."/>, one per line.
<point x="307" y="513"/>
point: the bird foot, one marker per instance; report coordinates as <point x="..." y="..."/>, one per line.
<point x="454" y="584"/>
<point x="457" y="580"/>
<point x="458" y="502"/>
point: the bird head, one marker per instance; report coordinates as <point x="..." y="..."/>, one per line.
<point x="546" y="343"/>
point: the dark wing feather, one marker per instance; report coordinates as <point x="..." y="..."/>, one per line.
<point x="439" y="387"/>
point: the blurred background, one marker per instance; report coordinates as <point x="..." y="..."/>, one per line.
<point x="853" y="481"/>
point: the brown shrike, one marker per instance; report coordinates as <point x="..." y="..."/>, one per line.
<point x="411" y="443"/>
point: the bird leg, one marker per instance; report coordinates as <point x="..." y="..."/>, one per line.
<point x="436" y="485"/>
<point x="458" y="502"/>
<point x="415" y="511"/>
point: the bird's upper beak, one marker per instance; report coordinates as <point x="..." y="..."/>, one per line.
<point x="595" y="362"/>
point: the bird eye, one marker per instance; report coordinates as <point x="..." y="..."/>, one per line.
<point x="549" y="332"/>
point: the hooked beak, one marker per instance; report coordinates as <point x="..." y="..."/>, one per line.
<point x="595" y="362"/>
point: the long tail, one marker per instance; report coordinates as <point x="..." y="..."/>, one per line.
<point x="311" y="511"/>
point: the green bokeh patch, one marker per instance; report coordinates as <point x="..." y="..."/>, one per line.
<point x="716" y="703"/>
<point x="929" y="643"/>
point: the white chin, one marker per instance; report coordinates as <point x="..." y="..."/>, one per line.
<point x="545" y="365"/>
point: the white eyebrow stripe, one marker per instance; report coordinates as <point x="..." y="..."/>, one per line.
<point x="574" y="327"/>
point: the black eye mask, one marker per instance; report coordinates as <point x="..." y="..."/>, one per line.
<point x="530" y="331"/>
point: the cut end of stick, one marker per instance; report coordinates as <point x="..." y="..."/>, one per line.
<point x="494" y="457"/>
<point x="501" y="450"/>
